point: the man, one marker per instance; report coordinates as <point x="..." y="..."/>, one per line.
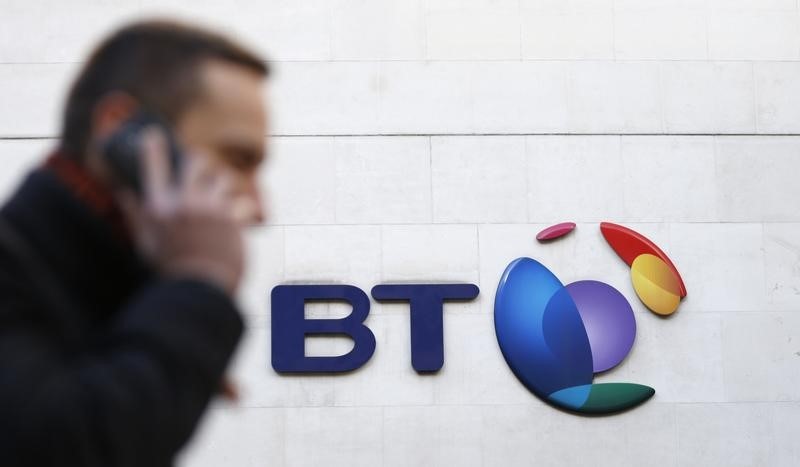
<point x="116" y="313"/>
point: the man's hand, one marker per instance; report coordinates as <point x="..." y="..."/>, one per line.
<point x="185" y="229"/>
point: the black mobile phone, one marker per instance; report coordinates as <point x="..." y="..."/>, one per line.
<point x="123" y="150"/>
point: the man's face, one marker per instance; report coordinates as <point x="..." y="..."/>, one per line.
<point x="228" y="123"/>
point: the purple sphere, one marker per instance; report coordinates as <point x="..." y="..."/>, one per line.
<point x="608" y="319"/>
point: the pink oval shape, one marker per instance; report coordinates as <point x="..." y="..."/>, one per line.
<point x="555" y="231"/>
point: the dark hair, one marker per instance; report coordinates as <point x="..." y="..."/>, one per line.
<point x="156" y="62"/>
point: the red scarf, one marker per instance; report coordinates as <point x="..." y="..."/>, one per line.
<point x="88" y="189"/>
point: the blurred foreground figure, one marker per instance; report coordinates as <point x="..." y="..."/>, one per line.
<point x="117" y="318"/>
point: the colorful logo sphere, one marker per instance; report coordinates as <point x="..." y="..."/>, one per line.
<point x="655" y="279"/>
<point x="555" y="337"/>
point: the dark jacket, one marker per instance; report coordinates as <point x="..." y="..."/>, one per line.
<point x="118" y="370"/>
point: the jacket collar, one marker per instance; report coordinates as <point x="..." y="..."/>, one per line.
<point x="78" y="231"/>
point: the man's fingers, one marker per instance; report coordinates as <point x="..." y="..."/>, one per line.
<point x="197" y="169"/>
<point x="155" y="170"/>
<point x="135" y="217"/>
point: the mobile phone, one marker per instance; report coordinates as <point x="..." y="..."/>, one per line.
<point x="123" y="150"/>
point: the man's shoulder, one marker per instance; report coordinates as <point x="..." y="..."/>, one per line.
<point x="26" y="296"/>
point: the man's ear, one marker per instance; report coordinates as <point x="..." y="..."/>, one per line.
<point x="110" y="112"/>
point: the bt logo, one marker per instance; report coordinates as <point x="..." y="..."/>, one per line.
<point x="555" y="337"/>
<point x="290" y="326"/>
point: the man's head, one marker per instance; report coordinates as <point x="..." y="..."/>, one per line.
<point x="206" y="86"/>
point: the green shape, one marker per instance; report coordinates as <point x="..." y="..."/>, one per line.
<point x="615" y="397"/>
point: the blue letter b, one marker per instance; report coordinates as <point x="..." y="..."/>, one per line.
<point x="290" y="328"/>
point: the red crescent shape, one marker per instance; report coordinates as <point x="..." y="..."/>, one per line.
<point x="629" y="244"/>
